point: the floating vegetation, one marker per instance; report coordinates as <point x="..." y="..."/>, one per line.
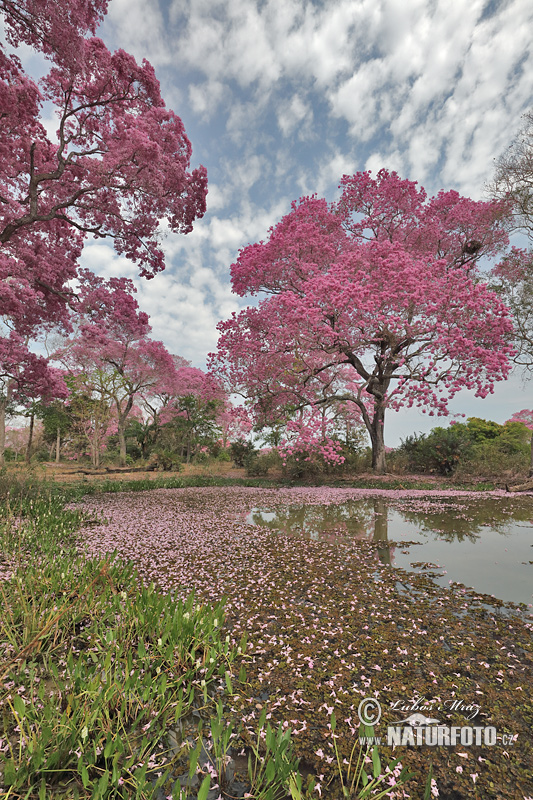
<point x="328" y="624"/>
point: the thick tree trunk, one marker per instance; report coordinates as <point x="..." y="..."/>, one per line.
<point x="379" y="463"/>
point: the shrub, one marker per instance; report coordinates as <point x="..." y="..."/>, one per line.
<point x="494" y="457"/>
<point x="258" y="464"/>
<point x="479" y="447"/>
<point x="165" y="460"/>
<point x="240" y="450"/>
<point x="438" y="451"/>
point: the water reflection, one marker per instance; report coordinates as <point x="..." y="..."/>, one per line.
<point x="486" y="543"/>
<point x="381" y="532"/>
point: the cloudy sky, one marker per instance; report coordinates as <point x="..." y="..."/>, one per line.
<point x="280" y="98"/>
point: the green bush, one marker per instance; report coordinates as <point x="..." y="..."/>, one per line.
<point x="478" y="446"/>
<point x="357" y="459"/>
<point x="165" y="460"/>
<point x="258" y="464"/>
<point x="240" y="450"/>
<point x="438" y="451"/>
<point x="494" y="457"/>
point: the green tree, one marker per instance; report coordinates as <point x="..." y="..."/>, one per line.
<point x="57" y="422"/>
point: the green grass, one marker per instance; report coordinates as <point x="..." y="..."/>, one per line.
<point x="95" y="666"/>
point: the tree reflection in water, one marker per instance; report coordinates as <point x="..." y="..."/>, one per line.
<point x="481" y="542"/>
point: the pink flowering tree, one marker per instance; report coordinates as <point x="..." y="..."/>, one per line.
<point x="117" y="166"/>
<point x="375" y="301"/>
<point x="117" y="372"/>
<point x="234" y="422"/>
<point x="111" y="358"/>
<point x="24" y="377"/>
<point x="306" y="440"/>
<point x="185" y="407"/>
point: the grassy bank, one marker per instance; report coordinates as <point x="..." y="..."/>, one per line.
<point x="95" y="666"/>
<point x="19" y="481"/>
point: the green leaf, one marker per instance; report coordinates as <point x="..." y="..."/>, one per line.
<point x="295" y="785"/>
<point x="204" y="788"/>
<point x="10" y="772"/>
<point x="194" y="759"/>
<point x="108" y="749"/>
<point x="262" y="719"/>
<point x="102" y="783"/>
<point x="376" y="763"/>
<point x="228" y="682"/>
<point x="19" y="705"/>
<point x="427" y="791"/>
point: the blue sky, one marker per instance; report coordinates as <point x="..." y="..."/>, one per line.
<point x="281" y="97"/>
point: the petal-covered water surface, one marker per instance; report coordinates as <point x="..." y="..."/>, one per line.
<point x="330" y="624"/>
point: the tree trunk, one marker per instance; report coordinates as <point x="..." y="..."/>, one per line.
<point x="379" y="463"/>
<point x="531" y="458"/>
<point x="122" y="416"/>
<point x="95" y="447"/>
<point x="30" y="437"/>
<point x="121" y="431"/>
<point x="2" y="432"/>
<point x="58" y="443"/>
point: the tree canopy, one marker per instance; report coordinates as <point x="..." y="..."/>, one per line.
<point x="118" y="165"/>
<point x="374" y="301"/>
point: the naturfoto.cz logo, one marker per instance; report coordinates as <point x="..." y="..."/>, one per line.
<point x="417" y="729"/>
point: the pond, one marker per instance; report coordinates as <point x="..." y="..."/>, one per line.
<point x="323" y="622"/>
<point x="485" y="543"/>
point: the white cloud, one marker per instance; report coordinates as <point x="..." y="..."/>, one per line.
<point x="206" y="97"/>
<point x="295" y="114"/>
<point x="184" y="314"/>
<point x="217" y="198"/>
<point x="332" y="170"/>
<point x="140" y="28"/>
<point x="102" y="259"/>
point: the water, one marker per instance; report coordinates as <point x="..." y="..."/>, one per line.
<point x="485" y="543"/>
